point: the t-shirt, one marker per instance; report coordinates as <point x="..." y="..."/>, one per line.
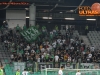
<point x="56" y="58"/>
<point x="78" y="73"/>
<point x="92" y="48"/>
<point x="25" y="73"/>
<point x="65" y="57"/>
<point x="60" y="72"/>
<point x="59" y="40"/>
<point x="54" y="45"/>
<point x="32" y="51"/>
<point x="1" y="72"/>
<point x="17" y="28"/>
<point x="38" y="60"/>
<point x="90" y="55"/>
<point x="47" y="56"/>
<point x="17" y="73"/>
<point x="63" y="40"/>
<point x="12" y="56"/>
<point x="42" y="50"/>
<point x="24" y="27"/>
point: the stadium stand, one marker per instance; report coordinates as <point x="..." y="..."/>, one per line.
<point x="55" y="46"/>
<point x="49" y="37"/>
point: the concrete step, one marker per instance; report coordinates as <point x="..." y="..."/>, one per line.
<point x="86" y="40"/>
<point x="4" y="54"/>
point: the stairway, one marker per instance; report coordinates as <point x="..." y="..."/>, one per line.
<point x="86" y="41"/>
<point x="4" y="55"/>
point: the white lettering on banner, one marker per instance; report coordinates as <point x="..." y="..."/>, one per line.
<point x="23" y="34"/>
<point x="28" y="38"/>
<point x="87" y="65"/>
<point x="34" y="30"/>
<point x="67" y="66"/>
<point x="70" y="67"/>
<point x="43" y="67"/>
<point x="30" y="34"/>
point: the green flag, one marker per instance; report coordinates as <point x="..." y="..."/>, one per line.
<point x="31" y="34"/>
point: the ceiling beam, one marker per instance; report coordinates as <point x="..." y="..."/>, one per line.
<point x="49" y="1"/>
<point x="57" y="6"/>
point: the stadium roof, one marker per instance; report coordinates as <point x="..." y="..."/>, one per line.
<point x="58" y="9"/>
<point x="61" y="5"/>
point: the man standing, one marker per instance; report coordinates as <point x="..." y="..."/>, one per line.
<point x="1" y="71"/>
<point x="78" y="73"/>
<point x="25" y="72"/>
<point x="18" y="72"/>
<point x="86" y="29"/>
<point x="56" y="58"/>
<point x="60" y="72"/>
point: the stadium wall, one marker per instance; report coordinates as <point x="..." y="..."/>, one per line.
<point x="40" y="66"/>
<point x="15" y="17"/>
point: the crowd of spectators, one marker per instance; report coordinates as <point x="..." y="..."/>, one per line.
<point x="51" y="46"/>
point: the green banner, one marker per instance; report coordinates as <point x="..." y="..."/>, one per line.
<point x="30" y="34"/>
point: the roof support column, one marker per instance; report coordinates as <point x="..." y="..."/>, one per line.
<point x="32" y="14"/>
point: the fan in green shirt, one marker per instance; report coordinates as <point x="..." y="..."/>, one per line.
<point x="56" y="27"/>
<point x="47" y="56"/>
<point x="24" y="27"/>
<point x="18" y="72"/>
<point x="37" y="26"/>
<point x="17" y="27"/>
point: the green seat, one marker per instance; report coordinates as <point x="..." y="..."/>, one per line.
<point x="36" y="74"/>
<point x="56" y="73"/>
<point x="69" y="73"/>
<point x="73" y="73"/>
<point x="8" y="73"/>
<point x="6" y="61"/>
<point x="7" y="65"/>
<point x="52" y="73"/>
<point x="29" y="74"/>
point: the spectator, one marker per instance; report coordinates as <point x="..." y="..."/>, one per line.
<point x="24" y="27"/>
<point x="12" y="57"/>
<point x="86" y="29"/>
<point x="27" y="53"/>
<point x="38" y="59"/>
<point x="88" y="47"/>
<point x="28" y="47"/>
<point x="56" y="58"/>
<point x="61" y="48"/>
<point x="32" y="51"/>
<point x="69" y="59"/>
<point x="17" y="28"/>
<point x="65" y="58"/>
<point x="92" y="48"/>
<point x="90" y="55"/>
<point x="5" y="24"/>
